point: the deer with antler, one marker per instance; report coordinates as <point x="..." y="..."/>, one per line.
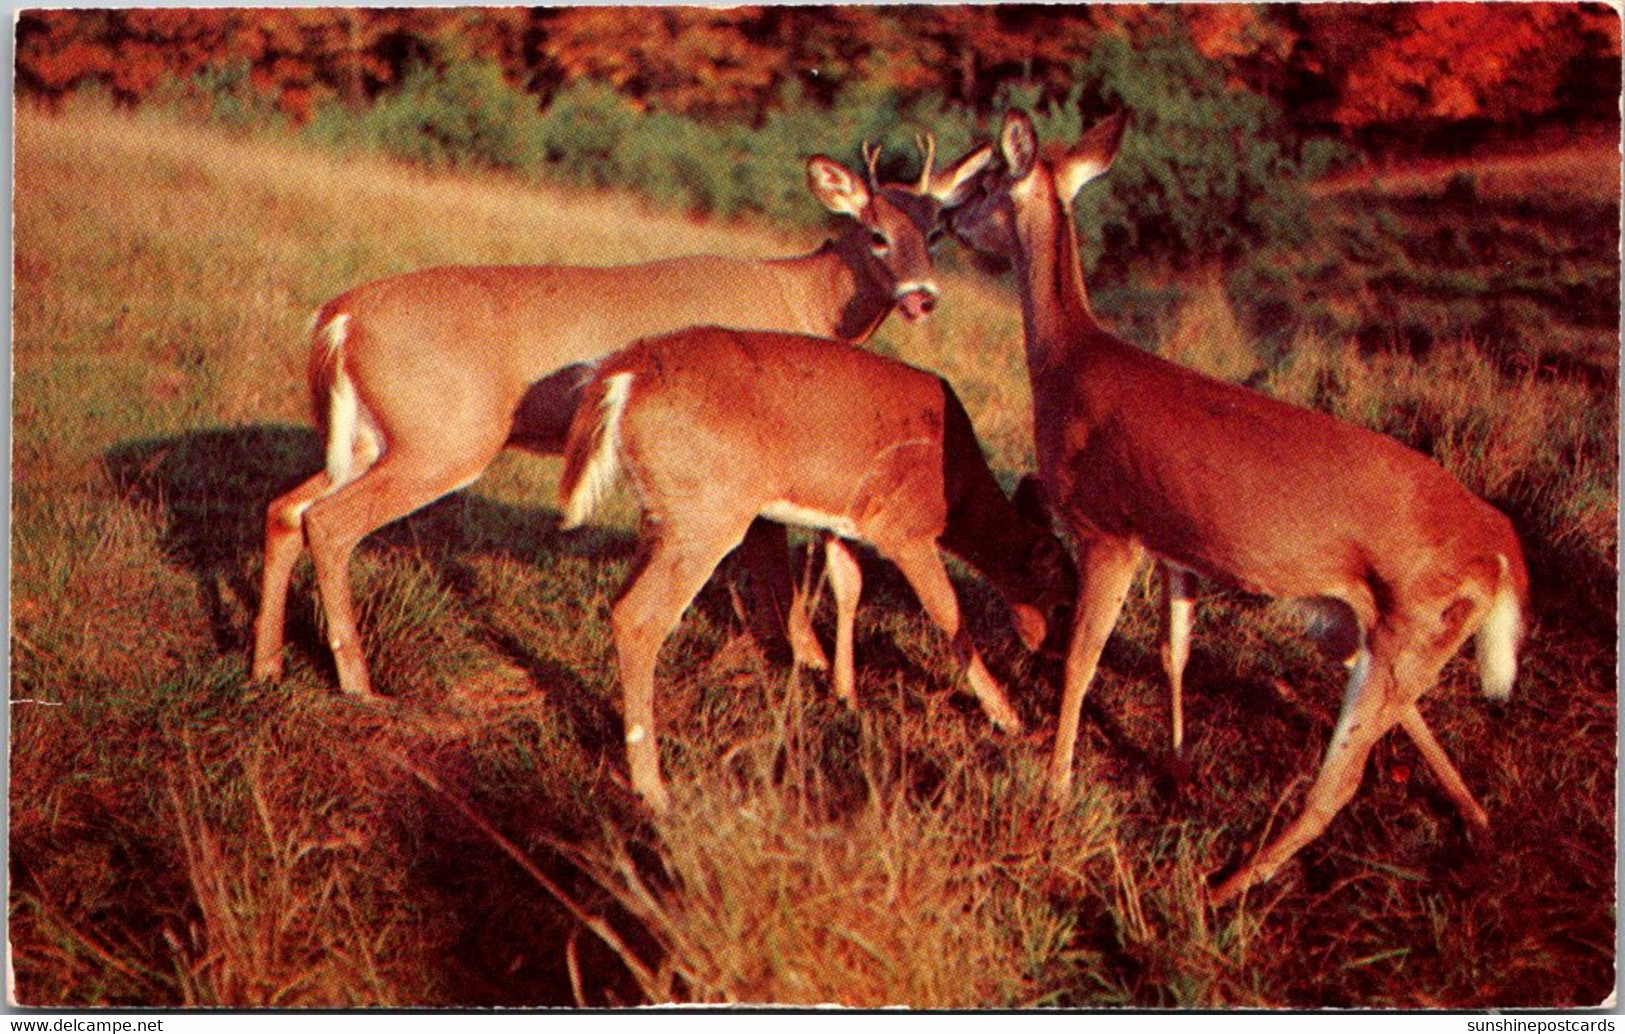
<point x="418" y="381"/>
<point x="1140" y="457"/>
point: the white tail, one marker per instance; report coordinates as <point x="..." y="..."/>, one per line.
<point x="724" y="426"/>
<point x="1499" y="637"/>
<point x="343" y="409"/>
<point x="1148" y="459"/>
<point x="420" y="380"/>
<point x="602" y="465"/>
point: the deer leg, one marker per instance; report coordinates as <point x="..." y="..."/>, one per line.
<point x="805" y="649"/>
<point x="1176" y="643"/>
<point x="1104" y="578"/>
<point x="846" y="582"/>
<point x="399" y="483"/>
<point x="284" y="540"/>
<point x="1463" y="613"/>
<point x="1365" y="716"/>
<point x="678" y="562"/>
<point x="775" y="608"/>
<point x="1410" y="719"/>
<point x="921" y="565"/>
<point x="1405" y="661"/>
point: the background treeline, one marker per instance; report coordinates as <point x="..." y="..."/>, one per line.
<point x="1370" y="71"/>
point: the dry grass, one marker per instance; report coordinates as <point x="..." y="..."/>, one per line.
<point x="179" y="837"/>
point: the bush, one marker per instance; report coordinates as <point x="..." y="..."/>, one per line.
<point x="582" y="132"/>
<point x="466" y="114"/>
<point x="224" y="94"/>
<point x="591" y="136"/>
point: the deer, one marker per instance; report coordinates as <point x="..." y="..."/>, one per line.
<point x="716" y="427"/>
<point x="1140" y="457"/>
<point x="419" y="380"/>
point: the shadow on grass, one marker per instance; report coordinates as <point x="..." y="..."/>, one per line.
<point x="508" y="941"/>
<point x="211" y="489"/>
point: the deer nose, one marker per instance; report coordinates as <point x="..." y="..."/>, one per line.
<point x="916" y="300"/>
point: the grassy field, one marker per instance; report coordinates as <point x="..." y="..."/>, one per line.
<point x="182" y="837"/>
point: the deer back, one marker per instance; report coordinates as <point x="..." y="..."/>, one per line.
<point x="1245" y="488"/>
<point x="787" y="419"/>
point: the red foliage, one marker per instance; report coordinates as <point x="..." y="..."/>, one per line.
<point x="1351" y="65"/>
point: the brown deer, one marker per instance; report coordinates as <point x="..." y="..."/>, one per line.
<point x="715" y="428"/>
<point x="1139" y="456"/>
<point x="418" y="381"/>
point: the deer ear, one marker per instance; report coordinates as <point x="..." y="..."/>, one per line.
<point x="1091" y="156"/>
<point x="1018" y="144"/>
<point x="838" y="189"/>
<point x="952" y="185"/>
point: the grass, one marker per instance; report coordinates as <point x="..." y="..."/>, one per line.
<point x="181" y="837"/>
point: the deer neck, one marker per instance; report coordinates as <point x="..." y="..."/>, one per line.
<point x="834" y="292"/>
<point x="1055" y="305"/>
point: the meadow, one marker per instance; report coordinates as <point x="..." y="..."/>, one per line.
<point x="180" y="836"/>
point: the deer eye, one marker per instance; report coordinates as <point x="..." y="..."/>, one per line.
<point x="879" y="240"/>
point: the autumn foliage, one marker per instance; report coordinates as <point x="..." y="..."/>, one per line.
<point x="1351" y="68"/>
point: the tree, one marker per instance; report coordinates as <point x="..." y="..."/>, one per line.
<point x="1356" y="69"/>
<point x="1403" y="64"/>
<point x="696" y="61"/>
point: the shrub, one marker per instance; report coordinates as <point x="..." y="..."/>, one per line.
<point x="466" y="114"/>
<point x="591" y="136"/>
<point x="1209" y="171"/>
<point x="582" y="131"/>
<point x="224" y="94"/>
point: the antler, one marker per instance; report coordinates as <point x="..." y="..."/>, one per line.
<point x="927" y="143"/>
<point x="871" y="155"/>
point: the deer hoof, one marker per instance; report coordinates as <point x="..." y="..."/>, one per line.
<point x="266" y="671"/>
<point x="656" y="799"/>
<point x="1007" y="721"/>
<point x="1058" y="790"/>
